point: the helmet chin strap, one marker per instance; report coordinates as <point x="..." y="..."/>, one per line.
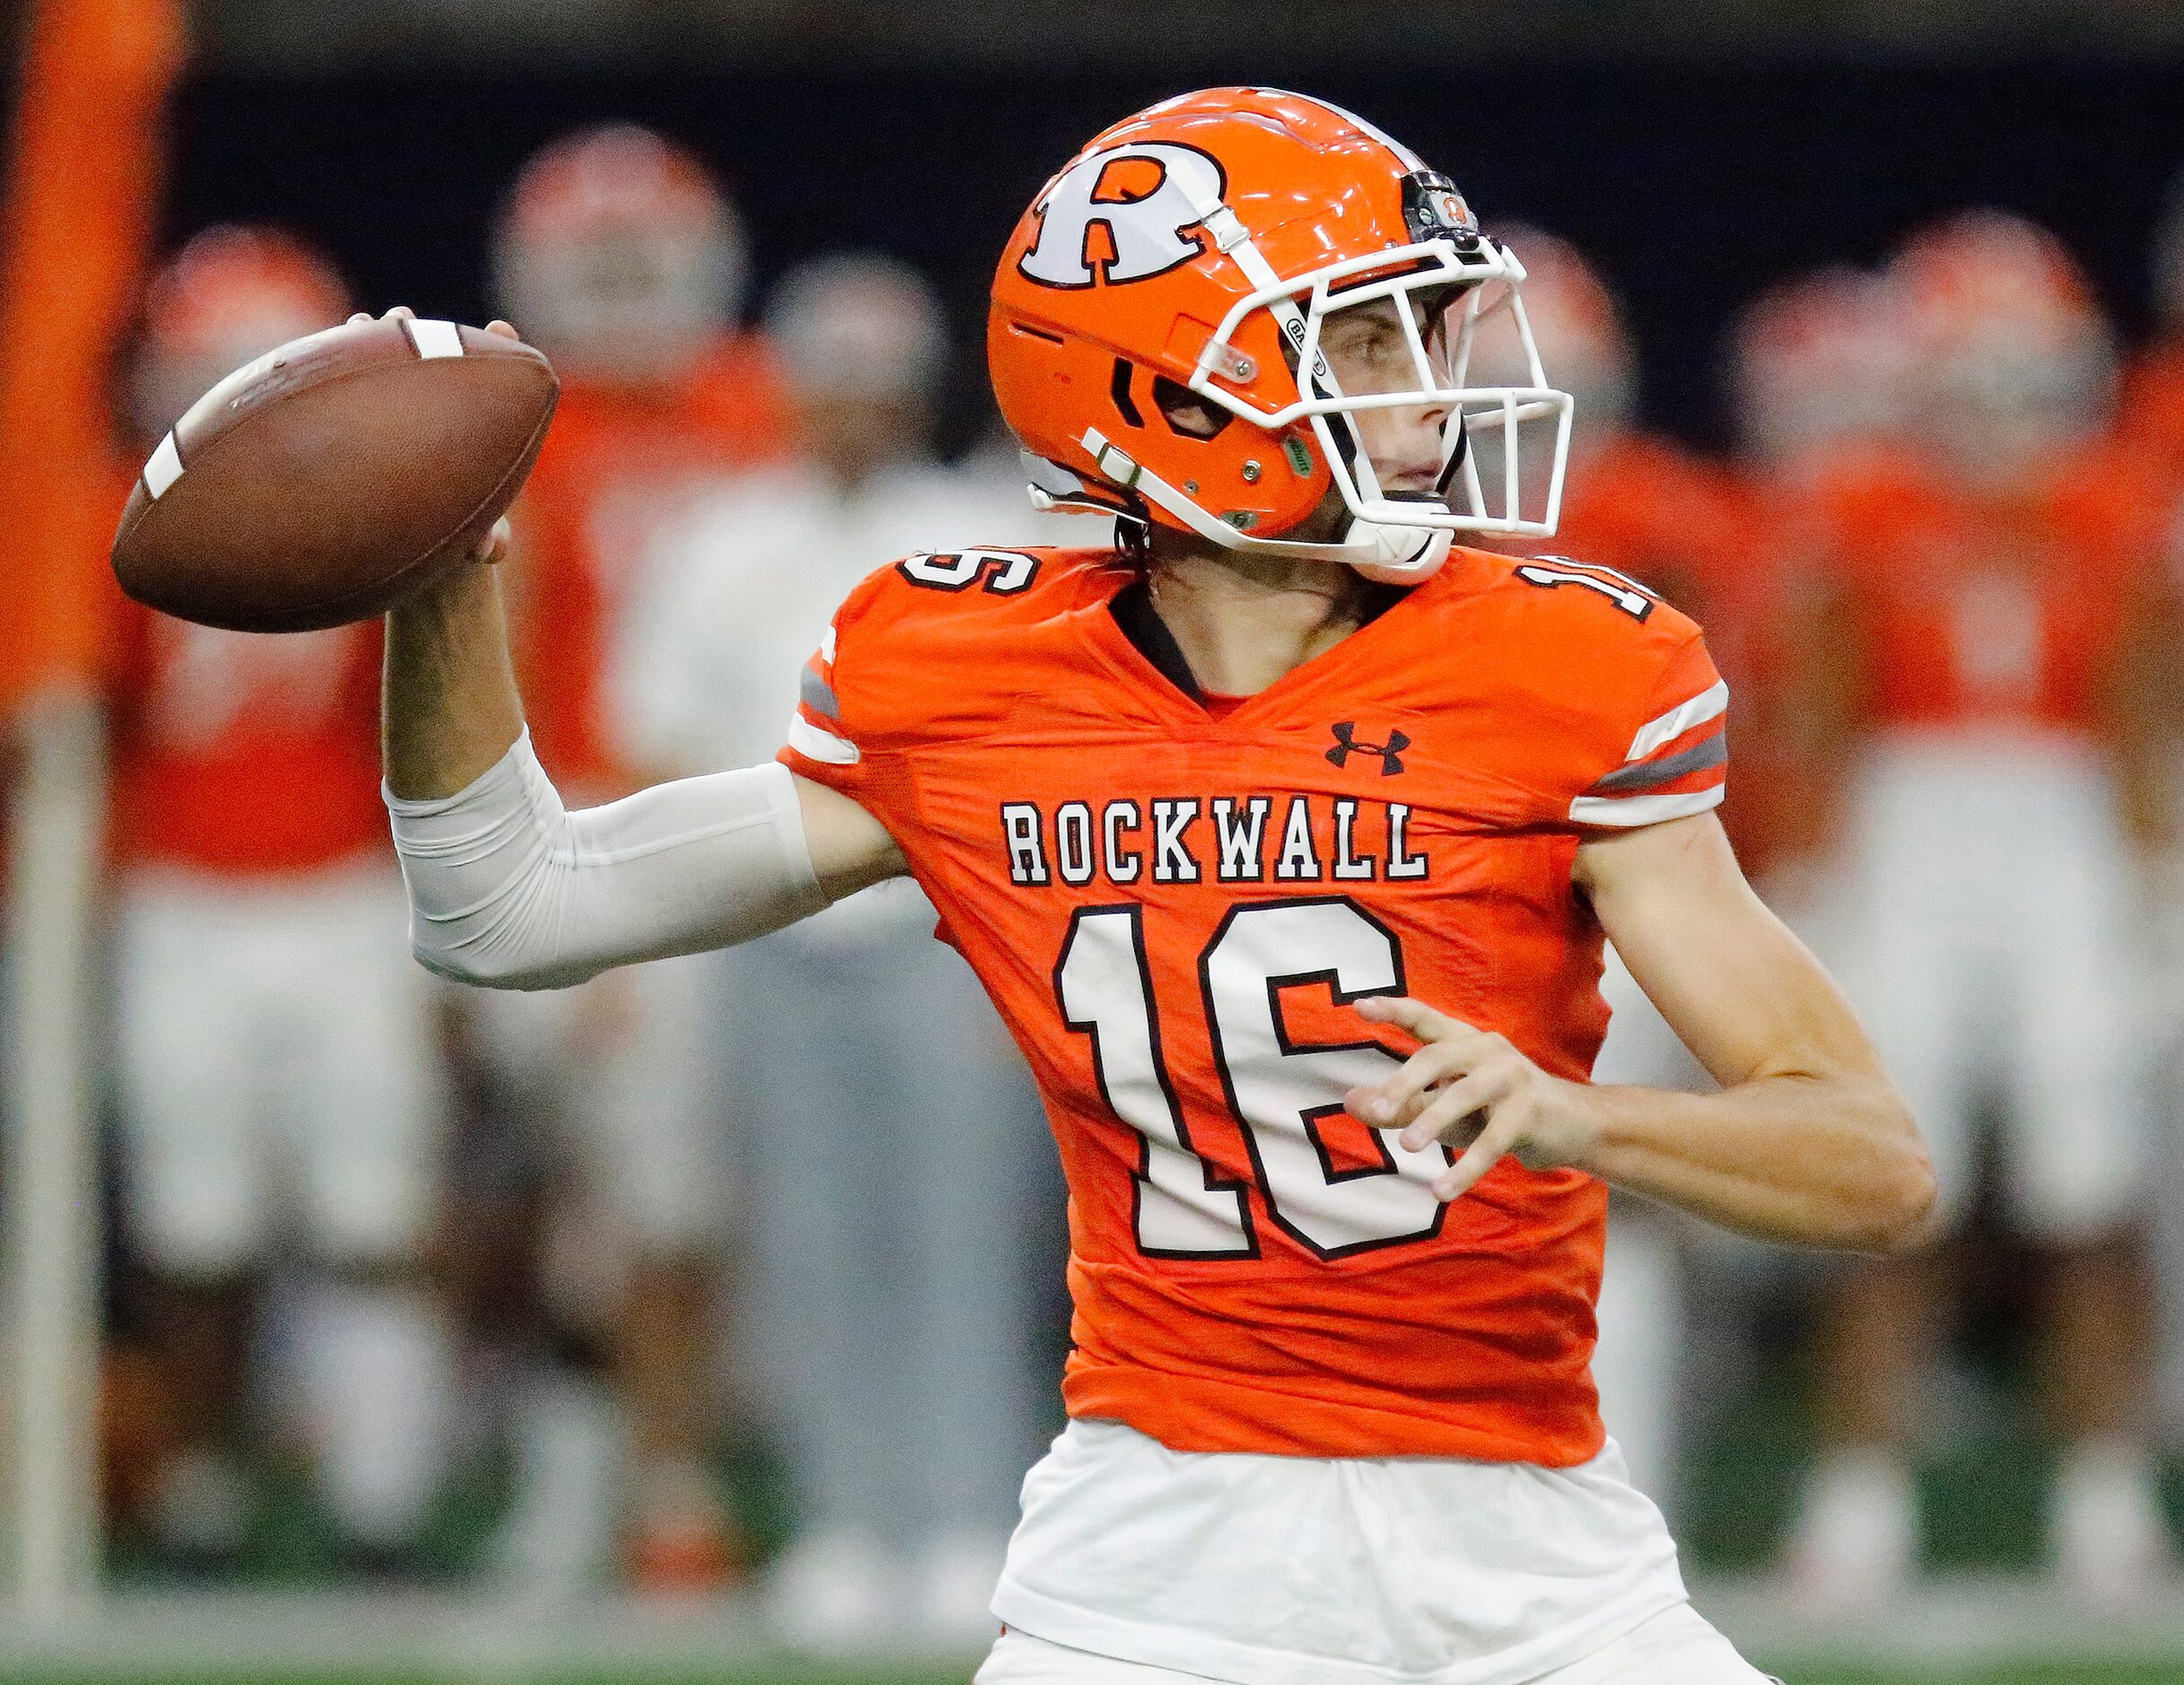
<point x="1382" y="551"/>
<point x="1395" y="555"/>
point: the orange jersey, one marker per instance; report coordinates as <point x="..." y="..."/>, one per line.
<point x="1985" y="615"/>
<point x="1685" y="527"/>
<point x="1171" y="908"/>
<point x="241" y="754"/>
<point x="616" y="467"/>
<point x="2151" y="415"/>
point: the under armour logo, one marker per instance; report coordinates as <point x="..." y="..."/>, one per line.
<point x="1346" y="744"/>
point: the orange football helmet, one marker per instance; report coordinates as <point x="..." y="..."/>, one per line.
<point x="1195" y="251"/>
<point x="618" y="254"/>
<point x="231" y="293"/>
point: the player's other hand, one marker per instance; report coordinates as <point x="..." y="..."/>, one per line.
<point x="493" y="547"/>
<point x="1470" y="1090"/>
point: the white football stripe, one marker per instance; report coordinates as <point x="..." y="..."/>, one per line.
<point x="807" y="740"/>
<point x="1629" y="810"/>
<point x="435" y="338"/>
<point x="1676" y="721"/>
<point x="164" y="468"/>
<point x="826" y="646"/>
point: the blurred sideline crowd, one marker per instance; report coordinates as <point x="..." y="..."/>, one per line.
<point x="373" y="1229"/>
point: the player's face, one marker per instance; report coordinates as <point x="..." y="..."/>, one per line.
<point x="1367" y="350"/>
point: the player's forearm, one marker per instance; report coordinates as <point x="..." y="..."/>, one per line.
<point x="450" y="707"/>
<point x="1809" y="1160"/>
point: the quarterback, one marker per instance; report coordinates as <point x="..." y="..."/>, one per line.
<point x="1284" y="832"/>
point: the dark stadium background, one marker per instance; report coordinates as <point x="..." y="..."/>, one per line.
<point x="1692" y="181"/>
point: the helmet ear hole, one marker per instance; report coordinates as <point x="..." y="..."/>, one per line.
<point x="1118" y="389"/>
<point x="1186" y="412"/>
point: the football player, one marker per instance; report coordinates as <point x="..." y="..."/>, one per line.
<point x="1991" y="685"/>
<point x="1284" y="834"/>
<point x="1817" y="371"/>
<point x="279" y="1080"/>
<point x="626" y="263"/>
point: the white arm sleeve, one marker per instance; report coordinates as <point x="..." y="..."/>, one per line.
<point x="510" y="890"/>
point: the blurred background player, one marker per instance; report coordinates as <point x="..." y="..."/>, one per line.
<point x="622" y="260"/>
<point x="1638" y="503"/>
<point x="1990" y="676"/>
<point x="1816" y="377"/>
<point x="890" y="1297"/>
<point x="280" y="1097"/>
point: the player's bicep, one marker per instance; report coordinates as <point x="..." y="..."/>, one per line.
<point x="849" y="849"/>
<point x="1743" y="993"/>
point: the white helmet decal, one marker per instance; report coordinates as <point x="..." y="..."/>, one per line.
<point x="1147" y="227"/>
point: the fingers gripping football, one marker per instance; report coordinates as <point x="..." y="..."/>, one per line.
<point x="1471" y="1089"/>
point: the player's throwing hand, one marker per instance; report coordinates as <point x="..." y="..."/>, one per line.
<point x="1472" y="1088"/>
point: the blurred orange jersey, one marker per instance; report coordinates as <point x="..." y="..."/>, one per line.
<point x="616" y="468"/>
<point x="2151" y="415"/>
<point x="1687" y="529"/>
<point x="239" y="754"/>
<point x="1987" y="614"/>
<point x="1173" y="907"/>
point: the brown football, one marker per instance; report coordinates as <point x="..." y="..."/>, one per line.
<point x="336" y="476"/>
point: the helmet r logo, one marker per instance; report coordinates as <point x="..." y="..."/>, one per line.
<point x="1141" y="195"/>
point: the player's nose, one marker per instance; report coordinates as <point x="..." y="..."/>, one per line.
<point x="1410" y="458"/>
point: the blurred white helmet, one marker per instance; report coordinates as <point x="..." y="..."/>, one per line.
<point x="2010" y="356"/>
<point x="618" y="255"/>
<point x="1819" y="359"/>
<point x="858" y="325"/>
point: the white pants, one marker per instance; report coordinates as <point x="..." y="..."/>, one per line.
<point x="1282" y="1570"/>
<point x="277" y="1069"/>
<point x="1985" y="936"/>
<point x="1672" y="1647"/>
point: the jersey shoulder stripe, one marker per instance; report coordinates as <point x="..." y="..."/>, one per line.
<point x="1710" y="704"/>
<point x="1677" y="766"/>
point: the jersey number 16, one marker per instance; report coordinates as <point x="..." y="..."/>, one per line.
<point x="1278" y="1090"/>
